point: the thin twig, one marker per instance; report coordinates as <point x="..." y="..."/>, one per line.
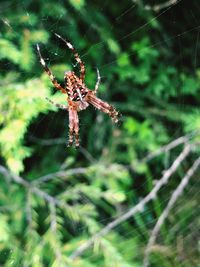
<point x="28" y="209"/>
<point x="87" y="155"/>
<point x="161" y="6"/>
<point x="59" y="174"/>
<point x="177" y="193"/>
<point x="158" y="7"/>
<point x="179" y="141"/>
<point x="48" y="142"/>
<point x="19" y="180"/>
<point x="166" y="148"/>
<point x="53" y="227"/>
<point x="137" y="208"/>
<point x="53" y="222"/>
<point x="61" y="141"/>
<point x="7" y="174"/>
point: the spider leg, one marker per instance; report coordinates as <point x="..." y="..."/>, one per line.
<point x="103" y="106"/>
<point x="76" y="55"/>
<point x="56" y="104"/>
<point x="98" y="82"/>
<point x="76" y="128"/>
<point x="73" y="126"/>
<point x="49" y="72"/>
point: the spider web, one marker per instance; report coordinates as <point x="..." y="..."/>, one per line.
<point x="176" y="224"/>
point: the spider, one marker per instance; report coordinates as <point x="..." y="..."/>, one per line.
<point x="78" y="95"/>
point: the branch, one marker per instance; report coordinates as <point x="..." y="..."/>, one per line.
<point x="60" y="174"/>
<point x="53" y="227"/>
<point x="48" y="142"/>
<point x="32" y="188"/>
<point x="179" y="141"/>
<point x="61" y="141"/>
<point x="158" y="7"/>
<point x="161" y="6"/>
<point x="166" y="148"/>
<point x="53" y="220"/>
<point x="137" y="208"/>
<point x="29" y="209"/>
<point x="52" y="202"/>
<point x="177" y="193"/>
<point x="7" y="174"/>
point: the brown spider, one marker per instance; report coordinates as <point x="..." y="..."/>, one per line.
<point x="78" y="95"/>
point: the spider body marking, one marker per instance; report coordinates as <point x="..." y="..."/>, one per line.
<point x="78" y="95"/>
<point x="76" y="89"/>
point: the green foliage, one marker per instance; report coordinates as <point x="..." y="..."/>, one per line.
<point x="78" y="4"/>
<point x="158" y="97"/>
<point x="16" y="117"/>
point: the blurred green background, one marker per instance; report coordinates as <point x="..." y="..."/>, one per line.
<point x="149" y="63"/>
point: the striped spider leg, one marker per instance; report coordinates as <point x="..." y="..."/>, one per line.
<point x="73" y="124"/>
<point x="60" y="106"/>
<point x="49" y="72"/>
<point x="100" y="104"/>
<point x="76" y="56"/>
<point x="73" y="120"/>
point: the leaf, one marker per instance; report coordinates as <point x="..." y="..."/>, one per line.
<point x="4" y="229"/>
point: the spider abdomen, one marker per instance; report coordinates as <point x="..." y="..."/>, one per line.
<point x="76" y="90"/>
<point x="76" y="96"/>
